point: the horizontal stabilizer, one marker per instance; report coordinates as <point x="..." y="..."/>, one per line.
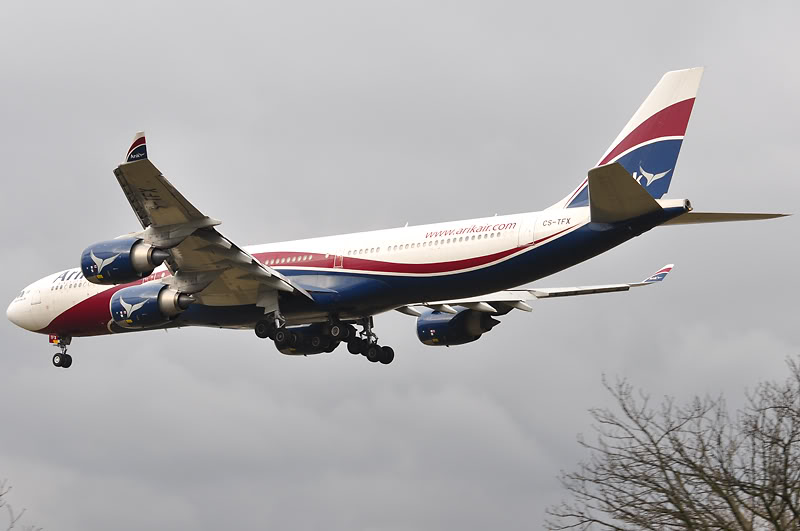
<point x="614" y="195"/>
<point x="691" y="218"/>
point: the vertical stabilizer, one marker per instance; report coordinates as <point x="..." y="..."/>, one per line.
<point x="649" y="144"/>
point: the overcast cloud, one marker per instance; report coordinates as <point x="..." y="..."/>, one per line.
<point x="295" y="119"/>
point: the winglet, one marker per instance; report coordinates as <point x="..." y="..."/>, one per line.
<point x="138" y="149"/>
<point x="659" y="275"/>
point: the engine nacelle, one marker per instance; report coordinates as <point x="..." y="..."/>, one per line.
<point x="120" y="261"/>
<point x="147" y="305"/>
<point x="306" y="340"/>
<point x="439" y="328"/>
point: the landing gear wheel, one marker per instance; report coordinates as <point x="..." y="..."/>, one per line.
<point x="337" y="331"/>
<point x="281" y="337"/>
<point x="316" y="341"/>
<point x="66" y="361"/>
<point x="354" y="346"/>
<point x="263" y="329"/>
<point x="58" y="359"/>
<point x="373" y="353"/>
<point x="387" y="355"/>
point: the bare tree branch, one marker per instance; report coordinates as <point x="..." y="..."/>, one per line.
<point x="13" y="519"/>
<point x="691" y="466"/>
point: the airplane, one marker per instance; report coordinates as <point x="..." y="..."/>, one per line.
<point x="308" y="296"/>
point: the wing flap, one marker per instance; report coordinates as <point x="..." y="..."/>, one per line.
<point x="154" y="200"/>
<point x="203" y="261"/>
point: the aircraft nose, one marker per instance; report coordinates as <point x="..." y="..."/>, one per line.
<point x="12" y="313"/>
<point x="18" y="313"/>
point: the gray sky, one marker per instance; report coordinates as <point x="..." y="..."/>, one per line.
<point x="291" y="120"/>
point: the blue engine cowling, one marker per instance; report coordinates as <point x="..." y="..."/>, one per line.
<point x="147" y="305"/>
<point x="120" y="261"/>
<point x="438" y="328"/>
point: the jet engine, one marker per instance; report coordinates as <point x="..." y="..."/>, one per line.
<point x="120" y="261"/>
<point x="436" y="328"/>
<point x="147" y="305"/>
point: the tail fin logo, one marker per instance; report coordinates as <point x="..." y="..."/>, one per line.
<point x="138" y="149"/>
<point x="650" y="178"/>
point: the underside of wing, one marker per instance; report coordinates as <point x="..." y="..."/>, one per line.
<point x="502" y="302"/>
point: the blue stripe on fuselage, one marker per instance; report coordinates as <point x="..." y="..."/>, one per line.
<point x="365" y="293"/>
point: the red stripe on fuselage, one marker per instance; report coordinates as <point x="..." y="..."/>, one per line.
<point x="362" y="264"/>
<point x="89" y="317"/>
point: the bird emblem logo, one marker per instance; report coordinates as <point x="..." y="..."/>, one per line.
<point x="101" y="263"/>
<point x="130" y="308"/>
<point x="650" y="178"/>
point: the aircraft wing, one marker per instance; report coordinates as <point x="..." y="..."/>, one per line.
<point x="502" y="302"/>
<point x="203" y="261"/>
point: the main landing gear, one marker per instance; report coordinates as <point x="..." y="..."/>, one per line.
<point x="61" y="359"/>
<point x="332" y="333"/>
<point x="367" y="345"/>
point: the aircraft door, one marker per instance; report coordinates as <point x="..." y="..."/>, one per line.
<point x="36" y="297"/>
<point x="526" y="230"/>
<point x="338" y="260"/>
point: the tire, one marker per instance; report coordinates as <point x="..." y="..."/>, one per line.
<point x="66" y="363"/>
<point x="373" y="353"/>
<point x="294" y="339"/>
<point x="57" y="360"/>
<point x="262" y="329"/>
<point x="387" y="355"/>
<point x="336" y="331"/>
<point x="281" y="337"/>
<point x="316" y="341"/>
<point x="354" y="346"/>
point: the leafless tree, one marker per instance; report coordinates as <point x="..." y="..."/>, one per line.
<point x="13" y="519"/>
<point x="692" y="466"/>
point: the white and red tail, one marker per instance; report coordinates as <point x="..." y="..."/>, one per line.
<point x="649" y="144"/>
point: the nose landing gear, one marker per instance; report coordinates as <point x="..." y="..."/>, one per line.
<point x="61" y="359"/>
